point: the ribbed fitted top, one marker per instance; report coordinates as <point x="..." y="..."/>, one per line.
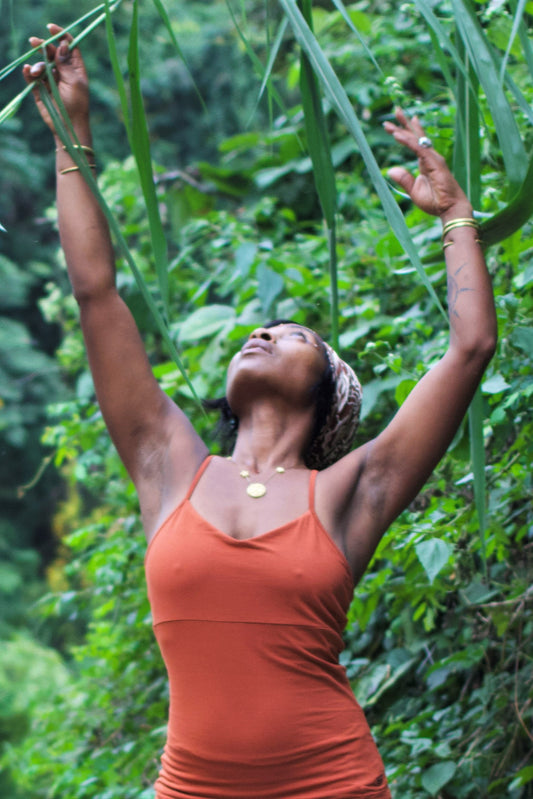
<point x="250" y="632"/>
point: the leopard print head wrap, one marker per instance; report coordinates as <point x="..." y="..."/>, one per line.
<point x="335" y="438"/>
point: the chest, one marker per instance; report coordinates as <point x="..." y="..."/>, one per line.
<point x="226" y="500"/>
<point x="292" y="574"/>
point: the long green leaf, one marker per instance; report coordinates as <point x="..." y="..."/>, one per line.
<point x="13" y="106"/>
<point x="346" y="17"/>
<point x="441" y="58"/>
<point x="467" y="167"/>
<point x="524" y="41"/>
<point x="446" y="44"/>
<point x="483" y="59"/>
<point x="317" y="134"/>
<point x="467" y="154"/>
<point x="477" y="454"/>
<point x="140" y="141"/>
<point x="273" y="54"/>
<point x="68" y="136"/>
<point x="341" y="103"/>
<point x="119" y="80"/>
<point x="513" y="216"/>
<point x="323" y="171"/>
<point x="166" y="21"/>
<point x="258" y="66"/>
<point x="519" y="11"/>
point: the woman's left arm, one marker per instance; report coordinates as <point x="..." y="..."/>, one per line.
<point x="399" y="461"/>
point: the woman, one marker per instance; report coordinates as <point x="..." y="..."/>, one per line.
<point x="252" y="561"/>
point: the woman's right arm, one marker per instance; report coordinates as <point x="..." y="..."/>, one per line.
<point x="145" y="425"/>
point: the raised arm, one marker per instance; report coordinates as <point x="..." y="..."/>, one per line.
<point x="142" y="420"/>
<point x="382" y="478"/>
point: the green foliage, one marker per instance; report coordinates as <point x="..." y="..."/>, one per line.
<point x="439" y="657"/>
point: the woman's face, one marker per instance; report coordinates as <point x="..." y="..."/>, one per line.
<point x="287" y="360"/>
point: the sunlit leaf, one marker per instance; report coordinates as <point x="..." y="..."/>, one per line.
<point x="433" y="554"/>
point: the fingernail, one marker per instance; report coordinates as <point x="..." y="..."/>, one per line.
<point x="63" y="51"/>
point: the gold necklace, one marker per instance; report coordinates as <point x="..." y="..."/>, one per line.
<point x="256" y="490"/>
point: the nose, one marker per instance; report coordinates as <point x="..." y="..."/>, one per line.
<point x="261" y="332"/>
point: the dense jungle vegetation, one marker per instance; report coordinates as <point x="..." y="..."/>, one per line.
<point x="439" y="645"/>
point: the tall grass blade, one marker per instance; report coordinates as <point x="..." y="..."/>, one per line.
<point x="273" y="54"/>
<point x="477" y="454"/>
<point x="256" y="62"/>
<point x="441" y="59"/>
<point x="66" y="133"/>
<point x="13" y="106"/>
<point x="467" y="167"/>
<point x="341" y="103"/>
<point x="513" y="216"/>
<point x="467" y="155"/>
<point x="92" y="26"/>
<point x="140" y="142"/>
<point x="346" y="17"/>
<point x="323" y="171"/>
<point x="316" y="132"/>
<point x="525" y="42"/>
<point x="119" y="80"/>
<point x="483" y="59"/>
<point x="166" y="21"/>
<point x="446" y="44"/>
<point x="516" y="25"/>
<point x="521" y="101"/>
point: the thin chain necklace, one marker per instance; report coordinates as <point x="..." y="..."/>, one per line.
<point x="256" y="490"/>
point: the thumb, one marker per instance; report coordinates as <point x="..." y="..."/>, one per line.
<point x="400" y="175"/>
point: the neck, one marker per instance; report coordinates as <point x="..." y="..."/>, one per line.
<point x="267" y="438"/>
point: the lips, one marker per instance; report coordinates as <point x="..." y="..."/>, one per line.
<point x="257" y="344"/>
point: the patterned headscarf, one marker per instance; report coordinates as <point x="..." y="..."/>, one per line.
<point x="336" y="435"/>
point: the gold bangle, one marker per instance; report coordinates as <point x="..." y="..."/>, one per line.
<point x="84" y="147"/>
<point x="455" y="223"/>
<point x="74" y="169"/>
<point x="449" y="243"/>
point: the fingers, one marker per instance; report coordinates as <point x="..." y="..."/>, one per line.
<point x="55" y="54"/>
<point x="402" y="177"/>
<point x="409" y="132"/>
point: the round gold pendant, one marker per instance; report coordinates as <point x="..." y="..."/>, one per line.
<point x="256" y="490"/>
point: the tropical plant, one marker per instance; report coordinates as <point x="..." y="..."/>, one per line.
<point x="440" y="630"/>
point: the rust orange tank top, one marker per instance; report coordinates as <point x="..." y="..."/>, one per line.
<point x="250" y="632"/>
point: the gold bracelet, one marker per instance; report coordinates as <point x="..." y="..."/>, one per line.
<point x="84" y="147"/>
<point x="455" y="223"/>
<point x="449" y="243"/>
<point x="74" y="169"/>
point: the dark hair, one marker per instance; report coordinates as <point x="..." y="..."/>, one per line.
<point x="323" y="391"/>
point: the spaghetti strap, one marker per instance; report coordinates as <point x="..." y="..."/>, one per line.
<point x="312" y="481"/>
<point x="199" y="473"/>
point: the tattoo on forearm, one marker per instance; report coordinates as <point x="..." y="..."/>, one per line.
<point x="454" y="291"/>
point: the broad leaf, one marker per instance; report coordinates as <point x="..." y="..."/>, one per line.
<point x="433" y="554"/>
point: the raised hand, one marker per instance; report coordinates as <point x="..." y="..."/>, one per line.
<point x="69" y="73"/>
<point x="435" y="189"/>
